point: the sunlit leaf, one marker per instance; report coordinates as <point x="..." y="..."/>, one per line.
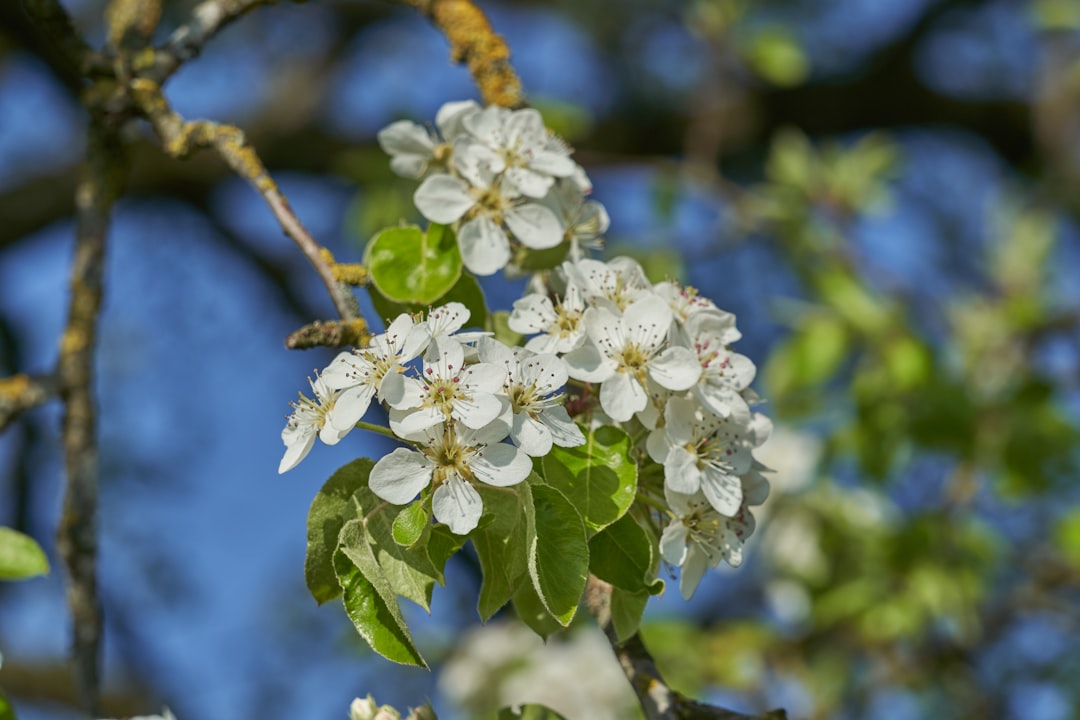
<point x="411" y="523"/>
<point x="369" y="600"/>
<point x="20" y="556"/>
<point x="559" y="553"/>
<point x="409" y="265"/>
<point x="599" y="477"/>
<point x="465" y="291"/>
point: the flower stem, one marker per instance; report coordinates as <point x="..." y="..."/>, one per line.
<point x="377" y="429"/>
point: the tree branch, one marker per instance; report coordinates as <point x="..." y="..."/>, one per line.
<point x="657" y="700"/>
<point x="98" y="187"/>
<point x="188" y="40"/>
<point x="475" y="44"/>
<point x="22" y="392"/>
<point x="179" y="138"/>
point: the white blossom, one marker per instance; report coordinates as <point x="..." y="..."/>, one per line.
<point x="521" y="148"/>
<point x="447" y="389"/>
<point x="616" y="283"/>
<point x="623" y="351"/>
<point x="360" y="374"/>
<point x="560" y="325"/>
<point x="537" y="417"/>
<point x="310" y="418"/>
<point x="414" y="149"/>
<point x="724" y="373"/>
<point x="585" y="221"/>
<point x="453" y="458"/>
<point x="701" y="452"/>
<point x="698" y="538"/>
<point x="485" y="206"/>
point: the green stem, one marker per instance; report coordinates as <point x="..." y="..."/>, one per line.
<point x="377" y="429"/>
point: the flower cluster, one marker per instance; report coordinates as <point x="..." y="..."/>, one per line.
<point x="661" y="355"/>
<point x="604" y="346"/>
<point x="500" y="178"/>
<point x="454" y="397"/>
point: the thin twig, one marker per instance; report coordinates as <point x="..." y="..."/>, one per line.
<point x="188" y="40"/>
<point x="329" y="334"/>
<point x="657" y="700"/>
<point x="98" y="187"/>
<point x="22" y="392"/>
<point x="475" y="44"/>
<point x="179" y="138"/>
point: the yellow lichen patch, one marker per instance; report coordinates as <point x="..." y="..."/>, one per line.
<point x="14" y="386"/>
<point x="355" y="332"/>
<point x="473" y="42"/>
<point x="73" y="340"/>
<point x="351" y="274"/>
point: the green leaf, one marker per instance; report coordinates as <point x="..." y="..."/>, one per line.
<point x="809" y="357"/>
<point x="409" y="265"/>
<point x="622" y="554"/>
<point x="532" y="260"/>
<point x="411" y="522"/>
<point x="627" y="608"/>
<point x="369" y="599"/>
<point x="502" y="542"/>
<point x="530" y="609"/>
<point x="778" y="58"/>
<point x="528" y="711"/>
<point x="442" y="544"/>
<point x="1067" y="537"/>
<point x="598" y="477"/>
<point x="558" y="554"/>
<point x="465" y="291"/>
<point x="7" y="710"/>
<point x="330" y="510"/>
<point x="20" y="556"/>
<point x="409" y="570"/>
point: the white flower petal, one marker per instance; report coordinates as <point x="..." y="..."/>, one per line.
<point x="477" y="411"/>
<point x="527" y="182"/>
<point x="534" y="225"/>
<point x="676" y="368"/>
<point x="350" y="407"/>
<point x="589" y="364"/>
<point x="400" y="476"/>
<point x="621" y="396"/>
<point x="564" y="431"/>
<point x="531" y="435"/>
<point x="484" y="376"/>
<point x="401" y="392"/>
<point x="681" y="473"/>
<point x="484" y="247"/>
<point x="673" y="543"/>
<point x="457" y="504"/>
<point x="723" y="491"/>
<point x="443" y="199"/>
<point x="450" y="117"/>
<point x="297" y="446"/>
<point x="532" y="314"/>
<point x="648" y="321"/>
<point x="658" y="445"/>
<point x="409" y="423"/>
<point x="501" y="465"/>
<point x="693" y="570"/>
